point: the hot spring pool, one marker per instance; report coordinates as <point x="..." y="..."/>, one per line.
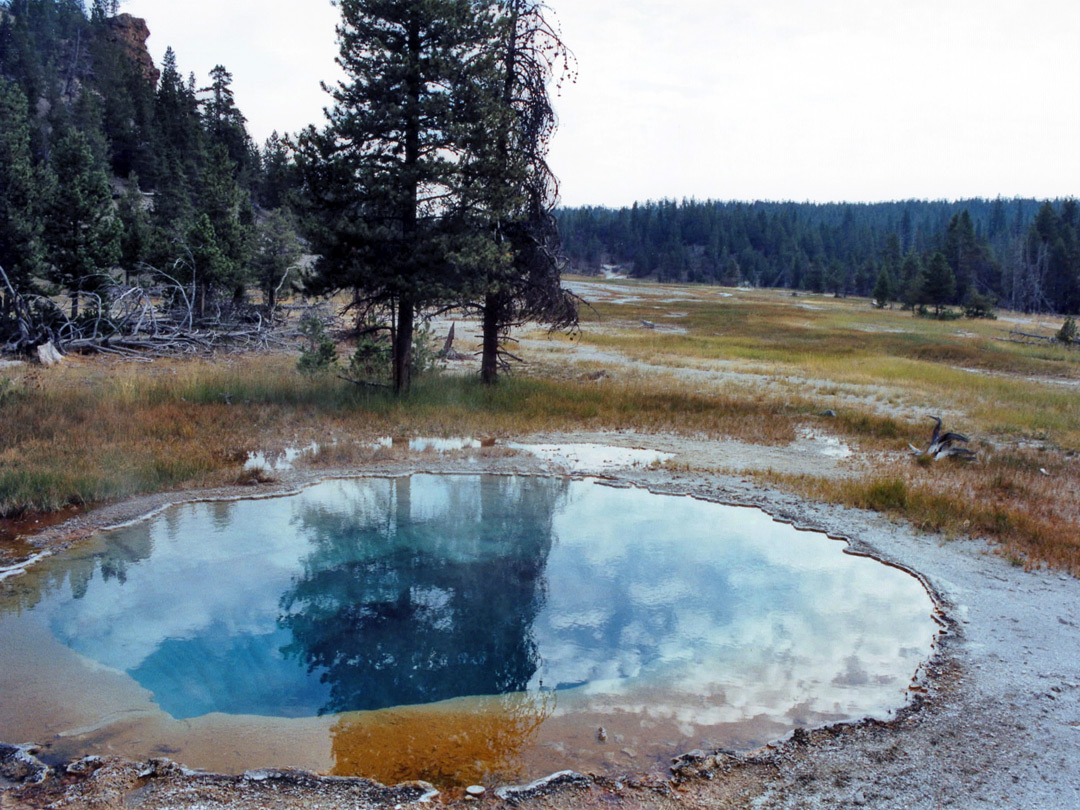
<point x="457" y="629"/>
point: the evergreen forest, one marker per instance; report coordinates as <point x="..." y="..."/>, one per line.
<point x="110" y="167"/>
<point x="1022" y="254"/>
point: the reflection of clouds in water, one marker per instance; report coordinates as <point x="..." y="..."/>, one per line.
<point x="652" y="602"/>
<point x="190" y="583"/>
<point x="775" y="618"/>
<point x="441" y="496"/>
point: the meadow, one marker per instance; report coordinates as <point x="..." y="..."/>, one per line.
<point x="677" y="360"/>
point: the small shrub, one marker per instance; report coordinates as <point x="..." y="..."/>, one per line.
<point x="424" y="358"/>
<point x="1068" y="333"/>
<point x="979" y="306"/>
<point x="319" y="354"/>
<point x="370" y="363"/>
<point x="253" y="476"/>
<point x="889" y="495"/>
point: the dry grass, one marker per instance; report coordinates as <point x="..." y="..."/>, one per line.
<point x="1012" y="397"/>
<point x="1004" y="389"/>
<point x="1027" y="501"/>
<point x="94" y="431"/>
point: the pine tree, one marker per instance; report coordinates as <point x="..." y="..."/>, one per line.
<point x="224" y="208"/>
<point x="393" y="139"/>
<point x="508" y="191"/>
<point x="278" y="173"/>
<point x="127" y="99"/>
<point x="137" y="234"/>
<point x="207" y="264"/>
<point x="173" y="213"/>
<point x="1050" y="278"/>
<point x="225" y="125"/>
<point x="179" y="139"/>
<point x="912" y="276"/>
<point x="939" y="283"/>
<point x="81" y="232"/>
<point x="882" y="289"/>
<point x="99" y="11"/>
<point x="23" y="192"/>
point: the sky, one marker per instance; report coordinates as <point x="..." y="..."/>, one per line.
<point x="823" y="100"/>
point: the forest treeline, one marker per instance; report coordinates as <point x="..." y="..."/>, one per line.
<point x="426" y="188"/>
<point x="1023" y="254"/>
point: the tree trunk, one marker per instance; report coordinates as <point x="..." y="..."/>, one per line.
<point x="403" y="347"/>
<point x="489" y="361"/>
<point x="493" y="305"/>
<point x="402" y="339"/>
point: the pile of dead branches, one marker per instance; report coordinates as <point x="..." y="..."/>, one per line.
<point x="134" y="321"/>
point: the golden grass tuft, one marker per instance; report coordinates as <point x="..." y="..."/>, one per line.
<point x="1025" y="500"/>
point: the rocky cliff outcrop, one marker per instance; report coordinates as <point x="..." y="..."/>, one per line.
<point x="131" y="34"/>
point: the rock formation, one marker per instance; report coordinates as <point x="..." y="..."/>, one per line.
<point x="131" y="34"/>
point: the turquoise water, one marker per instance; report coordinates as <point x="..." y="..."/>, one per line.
<point x="362" y="595"/>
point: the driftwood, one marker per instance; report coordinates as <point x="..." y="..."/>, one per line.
<point x="17" y="316"/>
<point x="47" y="354"/>
<point x="944" y="445"/>
<point x="1029" y="338"/>
<point x="1016" y="333"/>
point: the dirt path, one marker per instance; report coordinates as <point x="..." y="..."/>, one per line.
<point x="996" y="722"/>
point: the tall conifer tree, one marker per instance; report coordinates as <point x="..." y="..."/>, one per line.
<point x="225" y="125"/>
<point x="939" y="283"/>
<point x="508" y="189"/>
<point x="82" y="233"/>
<point x="393" y="138"/>
<point x="23" y="190"/>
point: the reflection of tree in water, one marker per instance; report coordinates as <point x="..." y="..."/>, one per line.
<point x="398" y="607"/>
<point x="113" y="554"/>
<point x="454" y="743"/>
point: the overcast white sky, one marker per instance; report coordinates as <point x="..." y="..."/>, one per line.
<point x="735" y="99"/>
